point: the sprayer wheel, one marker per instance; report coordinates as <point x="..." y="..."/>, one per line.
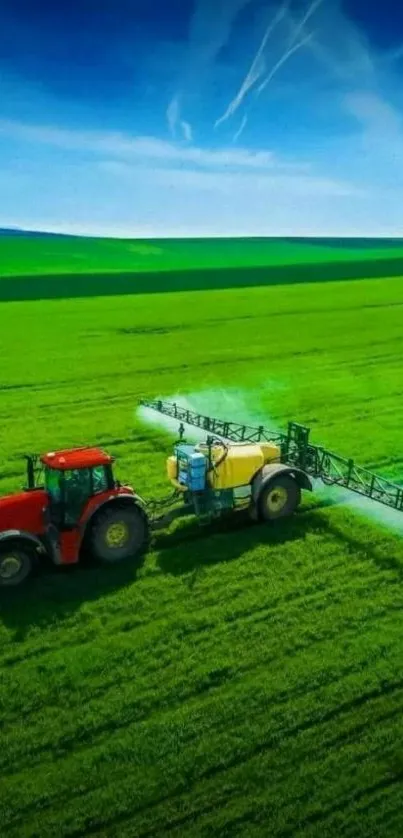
<point x="279" y="498"/>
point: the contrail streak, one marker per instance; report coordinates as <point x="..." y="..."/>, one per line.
<point x="257" y="67"/>
<point x="283" y="59"/>
<point x="337" y="68"/>
<point x="240" y="129"/>
<point x="319" y="51"/>
<point x="292" y="46"/>
<point x="210" y="28"/>
<point x="299" y="26"/>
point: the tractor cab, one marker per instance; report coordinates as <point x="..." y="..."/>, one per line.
<point x="71" y="507"/>
<point x="71" y="478"/>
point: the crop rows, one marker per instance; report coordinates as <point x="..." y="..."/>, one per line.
<point x="244" y="681"/>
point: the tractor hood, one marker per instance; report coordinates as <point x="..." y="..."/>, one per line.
<point x="23" y="511"/>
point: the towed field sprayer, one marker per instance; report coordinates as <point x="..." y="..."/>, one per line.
<point x="72" y="506"/>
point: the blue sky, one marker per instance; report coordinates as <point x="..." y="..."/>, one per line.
<point x="212" y="117"/>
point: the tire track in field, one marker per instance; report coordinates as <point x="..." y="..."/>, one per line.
<point x="87" y="739"/>
<point x="183" y="789"/>
<point x="386" y="816"/>
<point x="374" y="801"/>
<point x="277" y="605"/>
<point x="349" y="800"/>
<point x="323" y="593"/>
<point x="318" y="817"/>
<point x="10" y="659"/>
<point x="249" y="816"/>
<point x="305" y="593"/>
<point x="127" y="395"/>
<point x="325" y="528"/>
<point x="265" y="746"/>
<point x="248" y="612"/>
<point x="364" y="400"/>
<point x="303" y="311"/>
<point x="302" y="798"/>
<point x="141" y="372"/>
<point x="207" y="809"/>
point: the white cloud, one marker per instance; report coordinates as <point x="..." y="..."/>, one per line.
<point x="378" y="141"/>
<point x="142" y="148"/>
<point x="187" y="130"/>
<point x="116" y="167"/>
<point x="374" y="113"/>
<point x="343" y="51"/>
<point x="174" y="119"/>
<point x="172" y="114"/>
<point x="227" y="170"/>
<point x="284" y="185"/>
<point x="241" y="183"/>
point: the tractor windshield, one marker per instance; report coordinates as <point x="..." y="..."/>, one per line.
<point x="100" y="479"/>
<point x="70" y="490"/>
<point x="77" y="490"/>
<point x="52" y="484"/>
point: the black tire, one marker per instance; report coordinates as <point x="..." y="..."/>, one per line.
<point x="118" y="533"/>
<point x="279" y="498"/>
<point x="16" y="565"/>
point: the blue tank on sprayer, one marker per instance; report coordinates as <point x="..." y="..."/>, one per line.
<point x="192" y="467"/>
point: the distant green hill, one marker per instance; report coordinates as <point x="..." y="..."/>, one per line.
<point x="26" y="254"/>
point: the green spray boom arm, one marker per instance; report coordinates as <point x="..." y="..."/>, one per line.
<point x="331" y="469"/>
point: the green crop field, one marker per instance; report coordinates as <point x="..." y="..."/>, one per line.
<point x="244" y="681"/>
<point x="37" y="255"/>
<point x="54" y="267"/>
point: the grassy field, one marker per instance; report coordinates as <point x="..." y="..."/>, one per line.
<point x="58" y="255"/>
<point x="245" y="682"/>
<point x="56" y="267"/>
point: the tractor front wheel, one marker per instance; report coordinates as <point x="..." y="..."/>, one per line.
<point x="119" y="533"/>
<point x="279" y="498"/>
<point x="16" y="565"/>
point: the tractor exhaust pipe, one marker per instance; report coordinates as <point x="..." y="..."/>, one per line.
<point x="30" y="471"/>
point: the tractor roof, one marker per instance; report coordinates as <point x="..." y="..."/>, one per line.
<point x="76" y="458"/>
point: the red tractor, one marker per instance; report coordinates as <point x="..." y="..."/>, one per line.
<point x="78" y="509"/>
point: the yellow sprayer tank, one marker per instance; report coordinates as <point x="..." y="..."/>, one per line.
<point x="241" y="463"/>
<point x="237" y="468"/>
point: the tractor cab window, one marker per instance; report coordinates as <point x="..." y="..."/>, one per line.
<point x="69" y="491"/>
<point x="77" y="490"/>
<point x="99" y="479"/>
<point x="52" y="484"/>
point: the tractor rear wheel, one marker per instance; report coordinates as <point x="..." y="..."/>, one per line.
<point x="16" y="565"/>
<point x="118" y="533"/>
<point x="279" y="498"/>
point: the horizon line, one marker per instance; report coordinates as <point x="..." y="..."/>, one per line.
<point x="202" y="236"/>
